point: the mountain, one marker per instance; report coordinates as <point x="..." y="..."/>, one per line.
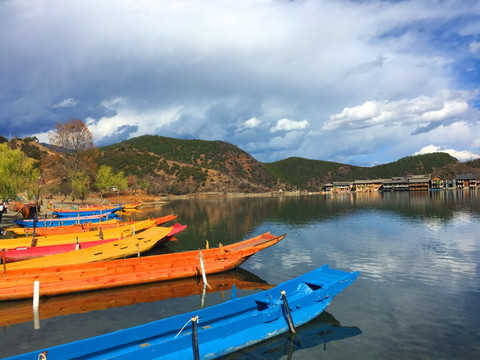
<point x="304" y="173"/>
<point x="184" y="166"/>
<point x="178" y="166"/>
<point x="165" y="165"/>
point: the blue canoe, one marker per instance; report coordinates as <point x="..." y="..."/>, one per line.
<point x="51" y="222"/>
<point x="76" y="213"/>
<point x="221" y="329"/>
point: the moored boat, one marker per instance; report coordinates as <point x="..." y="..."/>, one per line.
<point x="120" y="248"/>
<point x="218" y="330"/>
<point x="116" y="232"/>
<point x="65" y="221"/>
<point x="64" y="279"/>
<point x="85" y="227"/>
<point x="60" y="213"/>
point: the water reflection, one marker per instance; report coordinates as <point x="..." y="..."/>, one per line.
<point x="227" y="220"/>
<point x="16" y="312"/>
<point x="417" y="295"/>
<point x="316" y="333"/>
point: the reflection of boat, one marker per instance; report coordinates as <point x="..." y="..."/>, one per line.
<point x="117" y="249"/>
<point x="63" y="279"/>
<point x="221" y="329"/>
<point x="14" y="312"/>
<point x="318" y="332"/>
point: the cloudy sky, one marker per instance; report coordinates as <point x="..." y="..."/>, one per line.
<point x="357" y="82"/>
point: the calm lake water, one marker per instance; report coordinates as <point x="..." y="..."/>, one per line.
<point x="417" y="296"/>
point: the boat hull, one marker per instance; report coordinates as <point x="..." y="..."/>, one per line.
<point x="64" y="279"/>
<point x="222" y="328"/>
<point x="90" y="212"/>
<point x="59" y="239"/>
<point x="120" y="248"/>
<point x="66" y="221"/>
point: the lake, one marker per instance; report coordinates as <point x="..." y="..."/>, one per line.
<point x="417" y="295"/>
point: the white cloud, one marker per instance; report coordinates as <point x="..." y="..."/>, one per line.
<point x="288" y="125"/>
<point x="418" y="111"/>
<point x="461" y="155"/>
<point x="67" y="103"/>
<point x="251" y="123"/>
<point x="127" y="113"/>
<point x="474" y="47"/>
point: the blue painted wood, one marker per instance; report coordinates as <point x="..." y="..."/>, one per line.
<point x="222" y="328"/>
<point x="69" y="214"/>
<point x="66" y="221"/>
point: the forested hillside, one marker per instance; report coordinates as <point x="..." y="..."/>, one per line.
<point x="162" y="165"/>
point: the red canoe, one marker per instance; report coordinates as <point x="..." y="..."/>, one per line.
<point x="25" y="253"/>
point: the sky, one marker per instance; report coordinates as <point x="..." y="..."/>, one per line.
<point x="356" y="82"/>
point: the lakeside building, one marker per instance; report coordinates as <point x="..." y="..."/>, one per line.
<point x="405" y="183"/>
<point x="466" y="181"/>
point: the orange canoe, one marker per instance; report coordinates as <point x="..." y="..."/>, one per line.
<point x="15" y="312"/>
<point x="78" y="228"/>
<point x="63" y="279"/>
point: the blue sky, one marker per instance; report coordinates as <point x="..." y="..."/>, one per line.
<point x="358" y="82"/>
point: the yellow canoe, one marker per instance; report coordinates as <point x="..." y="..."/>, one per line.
<point x="128" y="246"/>
<point x="28" y="231"/>
<point x="114" y="233"/>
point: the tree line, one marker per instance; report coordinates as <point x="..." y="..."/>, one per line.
<point x="74" y="163"/>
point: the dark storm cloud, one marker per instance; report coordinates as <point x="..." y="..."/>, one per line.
<point x="278" y="79"/>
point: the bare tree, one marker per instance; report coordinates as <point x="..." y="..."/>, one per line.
<point x="74" y="141"/>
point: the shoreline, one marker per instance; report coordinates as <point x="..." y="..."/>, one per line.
<point x="146" y="200"/>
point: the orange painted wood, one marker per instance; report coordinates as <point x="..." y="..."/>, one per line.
<point x="64" y="279"/>
<point x="21" y="311"/>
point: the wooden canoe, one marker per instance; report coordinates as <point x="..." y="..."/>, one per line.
<point x="63" y="279"/>
<point x="26" y="253"/>
<point x="42" y="231"/>
<point x="88" y="212"/>
<point x="66" y="221"/>
<point x="79" y="228"/>
<point x="15" y="312"/>
<point x="218" y="330"/>
<point x="121" y="248"/>
<point x="59" y="239"/>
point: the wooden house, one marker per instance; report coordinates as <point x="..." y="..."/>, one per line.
<point x="419" y="182"/>
<point x="437" y="182"/>
<point x="466" y="181"/>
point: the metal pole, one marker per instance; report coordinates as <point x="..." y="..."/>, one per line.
<point x="196" y="352"/>
<point x="287" y="311"/>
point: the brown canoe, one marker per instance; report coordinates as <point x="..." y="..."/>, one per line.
<point x="18" y="284"/>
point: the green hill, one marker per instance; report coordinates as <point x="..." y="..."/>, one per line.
<point x="310" y="174"/>
<point x="178" y="166"/>
<point x="181" y="166"/>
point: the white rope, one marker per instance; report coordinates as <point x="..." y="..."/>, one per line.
<point x="278" y="301"/>
<point x="195" y="317"/>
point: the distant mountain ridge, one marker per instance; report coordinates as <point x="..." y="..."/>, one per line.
<point x="165" y="165"/>
<point x="182" y="166"/>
